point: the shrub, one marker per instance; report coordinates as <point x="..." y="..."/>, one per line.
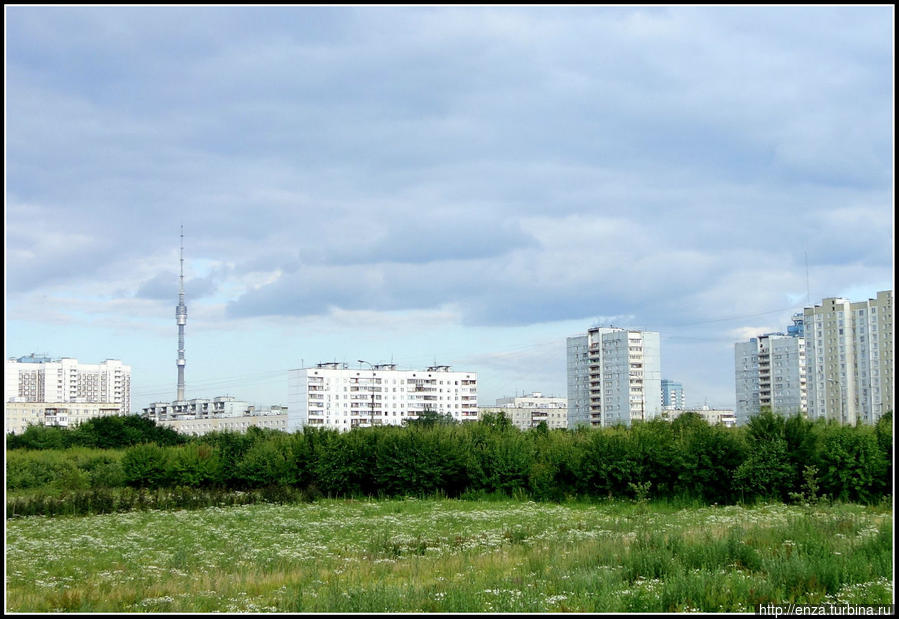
<point x="268" y="462"/>
<point x="145" y="465"/>
<point x="194" y="465"/>
<point x="766" y="472"/>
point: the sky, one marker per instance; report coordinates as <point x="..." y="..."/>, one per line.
<point x="457" y="185"/>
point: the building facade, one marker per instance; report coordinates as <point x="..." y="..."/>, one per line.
<point x="673" y="397"/>
<point x="20" y="415"/>
<point x="225" y="413"/>
<point x="614" y="377"/>
<point x="850" y="359"/>
<point x="40" y="379"/>
<point x="331" y="395"/>
<point x="197" y="408"/>
<point x="770" y="372"/>
<point x="203" y="425"/>
<point x="713" y="416"/>
<point x="530" y="411"/>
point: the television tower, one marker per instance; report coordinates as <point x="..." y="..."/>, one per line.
<point x="181" y="318"/>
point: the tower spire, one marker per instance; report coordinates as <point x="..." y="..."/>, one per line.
<point x="181" y="319"/>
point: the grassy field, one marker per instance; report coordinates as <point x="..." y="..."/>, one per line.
<point x="450" y="556"/>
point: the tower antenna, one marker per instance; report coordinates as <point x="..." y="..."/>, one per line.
<point x="808" y="295"/>
<point x="181" y="319"/>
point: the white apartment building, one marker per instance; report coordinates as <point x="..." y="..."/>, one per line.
<point x="204" y="425"/>
<point x="197" y="408"/>
<point x="332" y="395"/>
<point x="770" y="371"/>
<point x="40" y="379"/>
<point x="529" y="411"/>
<point x="850" y="358"/>
<point x="614" y="377"/>
<point x="225" y="413"/>
<point x="19" y="415"/>
<point x="713" y="416"/>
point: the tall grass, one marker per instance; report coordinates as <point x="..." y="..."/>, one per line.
<point x="450" y="555"/>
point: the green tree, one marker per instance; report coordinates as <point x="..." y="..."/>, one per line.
<point x="145" y="465"/>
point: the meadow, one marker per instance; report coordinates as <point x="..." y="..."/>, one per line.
<point x="452" y="555"/>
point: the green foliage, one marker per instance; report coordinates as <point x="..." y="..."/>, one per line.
<point x="268" y="462"/>
<point x="883" y="429"/>
<point x="853" y="467"/>
<point x="766" y="472"/>
<point x="194" y="465"/>
<point x="686" y="460"/>
<point x="110" y="432"/>
<point x="145" y="466"/>
<point x="345" y="463"/>
<point x="708" y="455"/>
<point x="38" y="437"/>
<point x="429" y="418"/>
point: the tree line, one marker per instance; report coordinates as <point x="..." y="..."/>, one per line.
<point x="772" y="457"/>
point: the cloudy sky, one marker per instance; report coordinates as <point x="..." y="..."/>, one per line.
<point x="460" y="185"/>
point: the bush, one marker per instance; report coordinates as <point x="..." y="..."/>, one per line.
<point x="766" y="473"/>
<point x="145" y="466"/>
<point x="267" y="463"/>
<point x="194" y="465"/>
<point x="852" y="465"/>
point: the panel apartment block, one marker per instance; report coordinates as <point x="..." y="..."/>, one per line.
<point x="770" y="371"/>
<point x="614" y="377"/>
<point x="31" y="379"/>
<point x="331" y="395"/>
<point x="849" y="359"/>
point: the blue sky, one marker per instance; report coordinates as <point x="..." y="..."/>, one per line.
<point x="460" y="185"/>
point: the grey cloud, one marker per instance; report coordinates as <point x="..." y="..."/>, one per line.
<point x="164" y="287"/>
<point x="403" y="150"/>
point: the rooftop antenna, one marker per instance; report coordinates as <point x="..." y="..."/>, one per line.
<point x="808" y="295"/>
<point x="181" y="319"/>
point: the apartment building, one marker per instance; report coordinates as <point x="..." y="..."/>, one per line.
<point x="19" y="415"/>
<point x="850" y="358"/>
<point x="614" y="377"/>
<point x="770" y="371"/>
<point x="333" y="395"/>
<point x="713" y="416"/>
<point x="41" y="379"/>
<point x="274" y="419"/>
<point x="197" y="408"/>
<point x="673" y="398"/>
<point x="530" y="411"/>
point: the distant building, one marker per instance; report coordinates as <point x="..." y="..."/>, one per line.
<point x="203" y="425"/>
<point x="673" y="395"/>
<point x="797" y="329"/>
<point x="331" y="395"/>
<point x="529" y="411"/>
<point x="614" y="377"/>
<point x="725" y="417"/>
<point x="223" y="406"/>
<point x="770" y="372"/>
<point x="225" y="413"/>
<point x="41" y="379"/>
<point x="850" y="359"/>
<point x="20" y="415"/>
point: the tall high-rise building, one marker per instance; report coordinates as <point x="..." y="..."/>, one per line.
<point x="614" y="377"/>
<point x="770" y="372"/>
<point x="850" y="358"/>
<point x="32" y="379"/>
<point x="332" y="395"/>
<point x="673" y="395"/>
